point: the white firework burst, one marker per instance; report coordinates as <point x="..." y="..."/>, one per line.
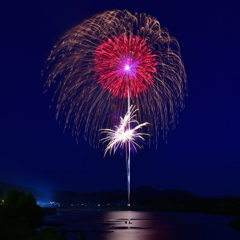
<point x="122" y="134"/>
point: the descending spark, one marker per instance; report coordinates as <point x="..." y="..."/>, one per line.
<point x="122" y="135"/>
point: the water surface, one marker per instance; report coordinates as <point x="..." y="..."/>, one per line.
<point x="143" y="225"/>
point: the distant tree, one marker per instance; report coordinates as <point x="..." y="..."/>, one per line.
<point x="1" y="194"/>
<point x="19" y="216"/>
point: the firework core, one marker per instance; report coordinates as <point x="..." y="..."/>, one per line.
<point x="127" y="67"/>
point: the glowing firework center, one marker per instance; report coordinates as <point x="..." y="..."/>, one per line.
<point x="127" y="68"/>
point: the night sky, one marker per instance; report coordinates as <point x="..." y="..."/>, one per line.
<point x="201" y="155"/>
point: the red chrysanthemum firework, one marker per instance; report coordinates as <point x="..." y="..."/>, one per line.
<point x="124" y="63"/>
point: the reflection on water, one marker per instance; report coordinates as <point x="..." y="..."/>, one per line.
<point x="136" y="225"/>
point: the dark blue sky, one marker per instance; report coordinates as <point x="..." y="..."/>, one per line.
<point x="201" y="155"/>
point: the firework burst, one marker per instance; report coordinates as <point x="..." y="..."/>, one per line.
<point x="118" y="57"/>
<point x="95" y="63"/>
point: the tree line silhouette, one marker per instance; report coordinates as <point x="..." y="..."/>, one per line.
<point x="20" y="216"/>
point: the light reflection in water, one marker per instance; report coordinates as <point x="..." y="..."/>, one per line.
<point x="131" y="225"/>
